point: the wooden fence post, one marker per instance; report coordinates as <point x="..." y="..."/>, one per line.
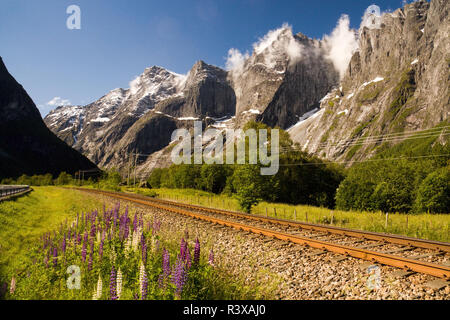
<point x="266" y="212"/>
<point x="306" y="215"/>
<point x="332" y="217"/>
<point x="295" y="214"/>
<point x="275" y="211"/>
<point x="386" y="222"/>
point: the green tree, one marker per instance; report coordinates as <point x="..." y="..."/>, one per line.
<point x="434" y="192"/>
<point x="63" y="179"/>
<point x="214" y="177"/>
<point x="155" y="178"/>
<point x="251" y="187"/>
<point x="24" y="180"/>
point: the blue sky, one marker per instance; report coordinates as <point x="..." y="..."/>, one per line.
<point x="119" y="39"/>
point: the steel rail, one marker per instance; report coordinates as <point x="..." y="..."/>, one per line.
<point x="366" y="235"/>
<point x="433" y="269"/>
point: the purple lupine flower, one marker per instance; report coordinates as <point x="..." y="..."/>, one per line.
<point x="183" y="246"/>
<point x="179" y="276"/>
<point x="144" y="253"/>
<point x="135" y="222"/>
<point x="166" y="263"/>
<point x="100" y="248"/>
<point x="141" y="221"/>
<point x="83" y="250"/>
<point x="188" y="260"/>
<point x="197" y="252"/>
<point x="112" y="284"/>
<point x="144" y="286"/>
<point x="63" y="246"/>
<point x="211" y="257"/>
<point x="126" y="230"/>
<point x="91" y="253"/>
<point x="55" y="257"/>
<point x="93" y="230"/>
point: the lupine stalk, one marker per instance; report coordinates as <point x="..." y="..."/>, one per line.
<point x="179" y="277"/>
<point x="98" y="292"/>
<point x="143" y="282"/>
<point x="135" y="222"/>
<point x="12" y="289"/>
<point x="119" y="283"/>
<point x="112" y="284"/>
<point x="144" y="252"/>
<point x="91" y="253"/>
<point x="211" y="257"/>
<point x="63" y="246"/>
<point x="197" y="252"/>
<point x="188" y="260"/>
<point x="83" y="250"/>
<point x="55" y="257"/>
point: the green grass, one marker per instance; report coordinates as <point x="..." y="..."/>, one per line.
<point x="425" y="226"/>
<point x="25" y="219"/>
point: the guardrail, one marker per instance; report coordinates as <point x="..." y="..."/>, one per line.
<point x="6" y="191"/>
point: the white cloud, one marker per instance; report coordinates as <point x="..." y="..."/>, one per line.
<point x="278" y="41"/>
<point x="341" y="44"/>
<point x="135" y="84"/>
<point x="235" y="59"/>
<point x="58" y="101"/>
<point x="272" y="45"/>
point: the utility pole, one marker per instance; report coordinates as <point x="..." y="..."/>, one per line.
<point x="135" y="163"/>
<point x="129" y="169"/>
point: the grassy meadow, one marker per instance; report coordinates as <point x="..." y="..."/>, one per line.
<point x="24" y="220"/>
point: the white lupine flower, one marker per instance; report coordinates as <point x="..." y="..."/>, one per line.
<point x="13" y="285"/>
<point x="98" y="292"/>
<point x="98" y="236"/>
<point x="141" y="277"/>
<point x="136" y="238"/>
<point x="119" y="283"/>
<point x="127" y="245"/>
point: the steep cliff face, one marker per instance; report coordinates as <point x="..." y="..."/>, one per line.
<point x="396" y="82"/>
<point x="207" y="92"/>
<point x="284" y="77"/>
<point x="27" y="146"/>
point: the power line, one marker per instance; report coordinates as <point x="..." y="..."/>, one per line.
<point x="366" y="142"/>
<point x="360" y="161"/>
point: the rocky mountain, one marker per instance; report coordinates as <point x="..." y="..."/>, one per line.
<point x="397" y="81"/>
<point x="27" y="146"/>
<point x="283" y="78"/>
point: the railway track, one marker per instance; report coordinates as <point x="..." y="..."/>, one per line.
<point x="410" y="254"/>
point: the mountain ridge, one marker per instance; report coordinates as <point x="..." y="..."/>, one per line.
<point x="27" y="146"/>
